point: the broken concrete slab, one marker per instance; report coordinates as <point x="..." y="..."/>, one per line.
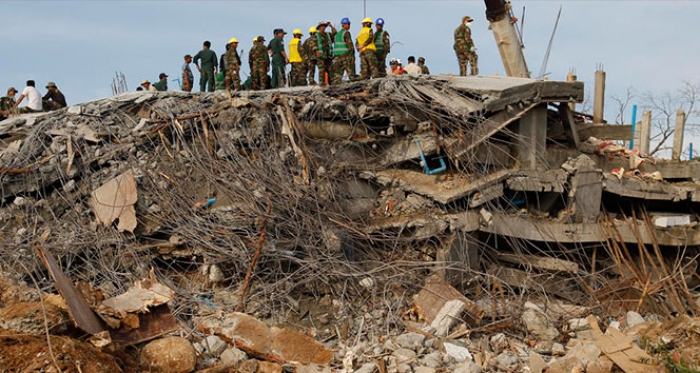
<point x="115" y="200"/>
<point x="442" y="305"/>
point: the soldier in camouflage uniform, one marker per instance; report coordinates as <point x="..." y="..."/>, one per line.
<point x="423" y="68"/>
<point x="7" y="103"/>
<point x="297" y="58"/>
<point x="233" y="66"/>
<point x="368" y="51"/>
<point x="324" y="55"/>
<point x="310" y="48"/>
<point x="344" y="54"/>
<point x="383" y="44"/>
<point x="465" y="49"/>
<point x="259" y="62"/>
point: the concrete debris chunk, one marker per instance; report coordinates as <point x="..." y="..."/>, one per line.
<point x="442" y="305"/>
<point x="458" y="351"/>
<point x="115" y="200"/>
<point x="168" y="355"/>
<point x="539" y="324"/>
<point x="139" y="298"/>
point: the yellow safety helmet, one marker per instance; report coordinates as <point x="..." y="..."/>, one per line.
<point x="312" y="30"/>
<point x="233" y="40"/>
<point x="297" y="32"/>
<point x="367" y="20"/>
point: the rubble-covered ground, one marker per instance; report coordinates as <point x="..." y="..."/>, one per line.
<point x="314" y="229"/>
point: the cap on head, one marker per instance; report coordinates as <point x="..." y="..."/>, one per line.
<point x="322" y="24"/>
<point x="233" y="40"/>
<point x="467" y="19"/>
<point x="367" y="20"/>
<point x="12" y="89"/>
<point x="297" y="32"/>
<point x="51" y="85"/>
<point x="162" y="75"/>
<point x="145" y="81"/>
<point x="261" y="38"/>
<point x="312" y="30"/>
<point x="380" y="22"/>
<point x="421" y="59"/>
<point x="279" y="31"/>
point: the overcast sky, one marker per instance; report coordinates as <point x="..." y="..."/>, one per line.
<point x="651" y="45"/>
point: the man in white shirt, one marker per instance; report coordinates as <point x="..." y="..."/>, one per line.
<point x="412" y="68"/>
<point x="33" y="98"/>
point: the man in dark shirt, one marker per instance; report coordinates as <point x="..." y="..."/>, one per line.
<point x="209" y="68"/>
<point x="162" y="83"/>
<point x="279" y="58"/>
<point x="53" y="99"/>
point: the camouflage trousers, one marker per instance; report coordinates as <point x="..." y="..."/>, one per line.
<point x="381" y="64"/>
<point x="311" y="71"/>
<point x="298" y="74"/>
<point x="468" y="59"/>
<point x="368" y="65"/>
<point x="48" y="105"/>
<point x="344" y="64"/>
<point x="325" y="66"/>
<point x="232" y="79"/>
<point x="258" y="77"/>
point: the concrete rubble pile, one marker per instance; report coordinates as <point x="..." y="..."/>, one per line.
<point x="411" y="224"/>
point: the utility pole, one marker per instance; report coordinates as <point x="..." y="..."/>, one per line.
<point x="364" y="3"/>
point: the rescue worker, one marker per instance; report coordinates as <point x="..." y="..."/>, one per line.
<point x="259" y="62"/>
<point x="162" y="83"/>
<point x="147" y="86"/>
<point x="310" y="47"/>
<point x="343" y="53"/>
<point x="232" y="61"/>
<point x="33" y="99"/>
<point x="383" y="44"/>
<point x="424" y="69"/>
<point x="297" y="58"/>
<point x="324" y="56"/>
<point x="465" y="49"/>
<point x="53" y="99"/>
<point x="368" y="50"/>
<point x="7" y="103"/>
<point x="187" y="76"/>
<point x="209" y="68"/>
<point x="279" y="58"/>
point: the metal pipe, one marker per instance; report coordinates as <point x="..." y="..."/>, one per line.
<point x="634" y="125"/>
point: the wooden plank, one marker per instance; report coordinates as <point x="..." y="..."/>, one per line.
<point x="538" y="262"/>
<point x="84" y="316"/>
<point x="621" y="350"/>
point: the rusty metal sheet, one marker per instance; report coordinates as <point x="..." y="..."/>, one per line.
<point x="159" y="321"/>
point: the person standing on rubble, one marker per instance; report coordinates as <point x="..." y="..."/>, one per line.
<point x="324" y="56"/>
<point x="187" y="76"/>
<point x="232" y="62"/>
<point x="344" y="53"/>
<point x="7" y="103"/>
<point x="465" y="49"/>
<point x="53" y="99"/>
<point x="259" y="62"/>
<point x="367" y="50"/>
<point x="162" y="84"/>
<point x="209" y="68"/>
<point x="279" y="59"/>
<point x="412" y="68"/>
<point x="383" y="44"/>
<point x="297" y="58"/>
<point x="310" y="47"/>
<point x="33" y="99"/>
<point x="424" y="69"/>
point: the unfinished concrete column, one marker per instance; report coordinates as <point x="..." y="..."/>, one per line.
<point x="645" y="133"/>
<point x="570" y="77"/>
<point x="531" y="138"/>
<point x="463" y="247"/>
<point x="599" y="97"/>
<point x="678" y="135"/>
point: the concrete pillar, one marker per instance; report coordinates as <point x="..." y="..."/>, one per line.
<point x="509" y="46"/>
<point x="599" y="97"/>
<point x="645" y="133"/>
<point x="570" y="77"/>
<point x="462" y="248"/>
<point x="531" y="138"/>
<point x="678" y="135"/>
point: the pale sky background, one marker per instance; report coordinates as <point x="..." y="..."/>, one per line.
<point x="650" y="45"/>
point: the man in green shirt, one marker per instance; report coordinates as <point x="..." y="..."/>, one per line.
<point x="162" y="83"/>
<point x="209" y="68"/>
<point x="279" y="58"/>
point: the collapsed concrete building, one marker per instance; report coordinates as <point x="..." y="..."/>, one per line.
<point x="251" y="201"/>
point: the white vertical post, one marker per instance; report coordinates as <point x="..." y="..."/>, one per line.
<point x="678" y="135"/>
<point x="645" y="133"/>
<point x="599" y="97"/>
<point x="570" y="77"/>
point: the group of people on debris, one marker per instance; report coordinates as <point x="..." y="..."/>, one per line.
<point x="52" y="100"/>
<point x="324" y="57"/>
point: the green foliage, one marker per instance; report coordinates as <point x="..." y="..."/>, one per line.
<point x="662" y="353"/>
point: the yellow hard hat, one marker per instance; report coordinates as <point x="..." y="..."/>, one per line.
<point x="297" y="32"/>
<point x="312" y="30"/>
<point x="233" y="40"/>
<point x="367" y="20"/>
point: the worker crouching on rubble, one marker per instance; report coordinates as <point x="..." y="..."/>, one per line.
<point x="53" y="99"/>
<point x="7" y="103"/>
